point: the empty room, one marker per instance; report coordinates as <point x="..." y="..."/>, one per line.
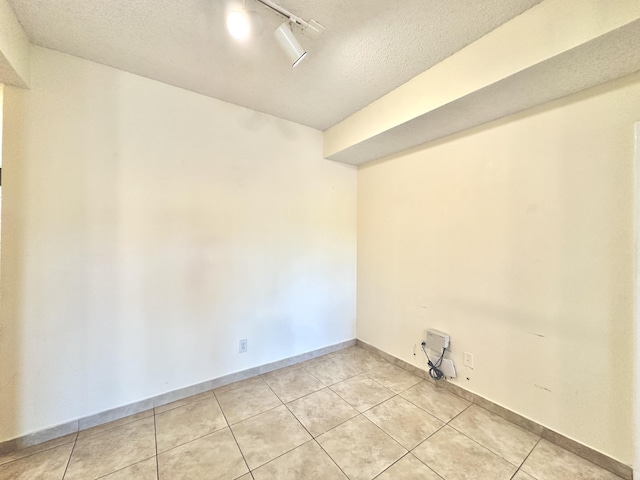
<point x="318" y="240"/>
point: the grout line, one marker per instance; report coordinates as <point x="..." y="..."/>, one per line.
<point x="254" y="379"/>
<point x="185" y="399"/>
<point x="499" y="455"/>
<point x="458" y="414"/>
<point x="525" y="459"/>
<point x="375" y="426"/>
<point x="217" y="430"/>
<point x="324" y="387"/>
<point x="192" y="440"/>
<point x="403" y="456"/>
<point x="282" y="455"/>
<point x="124" y="468"/>
<point x="199" y="437"/>
<point x="301" y="424"/>
<point x="252" y="416"/>
<point x="485" y="446"/>
<point x="290" y="368"/>
<point x="436" y="431"/>
<point x="330" y="457"/>
<point x="155" y="437"/>
<point x="394" y="394"/>
<point x="107" y="429"/>
<point x="378" y="404"/>
<point x="69" y="459"/>
<point x="233" y="435"/>
<point x="341" y="423"/>
<point x="36" y="452"/>
<point x="416" y="457"/>
<point x="383" y="431"/>
<point x="430" y="413"/>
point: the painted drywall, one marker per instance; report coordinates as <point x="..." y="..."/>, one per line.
<point x="636" y="222"/>
<point x="146" y="230"/>
<point x="14" y="49"/>
<point x="515" y="238"/>
<point x="549" y="30"/>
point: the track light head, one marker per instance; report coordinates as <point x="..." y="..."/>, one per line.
<point x="290" y="44"/>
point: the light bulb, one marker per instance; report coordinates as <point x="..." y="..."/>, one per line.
<point x="238" y="25"/>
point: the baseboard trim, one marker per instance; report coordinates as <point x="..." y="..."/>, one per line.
<point x="117" y="413"/>
<point x="588" y="453"/>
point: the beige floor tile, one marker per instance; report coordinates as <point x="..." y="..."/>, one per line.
<point x="116" y="423"/>
<point x="550" y="462"/>
<point x="403" y="421"/>
<point x="436" y="401"/>
<point x="214" y="457"/>
<point x="360" y="448"/>
<point x="361" y="392"/>
<point x="247" y="401"/>
<point x="360" y="359"/>
<point x="330" y="370"/>
<point x="146" y="470"/>
<point x="248" y="476"/>
<point x="495" y="433"/>
<point x="408" y="468"/>
<point x="41" y="447"/>
<point x="321" y="411"/>
<point x="522" y="476"/>
<point x="282" y="370"/>
<point x="115" y="449"/>
<point x="184" y="401"/>
<point x="308" y="462"/>
<point x="268" y="435"/>
<point x="315" y="361"/>
<point x="454" y="456"/>
<point x="354" y="350"/>
<point x="242" y="383"/>
<point x="184" y="424"/>
<point x="342" y="351"/>
<point x="47" y="465"/>
<point x="294" y="384"/>
<point x="394" y="378"/>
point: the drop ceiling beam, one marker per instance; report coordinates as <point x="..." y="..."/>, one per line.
<point x="552" y="50"/>
<point x="14" y="49"/>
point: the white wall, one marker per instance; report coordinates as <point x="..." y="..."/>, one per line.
<point x="517" y="239"/>
<point x="636" y="403"/>
<point x="147" y="229"/>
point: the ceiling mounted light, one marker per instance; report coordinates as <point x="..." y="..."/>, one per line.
<point x="285" y="37"/>
<point x="238" y="24"/>
<point x="290" y="44"/>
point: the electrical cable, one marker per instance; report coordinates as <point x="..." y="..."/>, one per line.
<point x="434" y="370"/>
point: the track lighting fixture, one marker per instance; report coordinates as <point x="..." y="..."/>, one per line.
<point x="239" y="27"/>
<point x="290" y="44"/>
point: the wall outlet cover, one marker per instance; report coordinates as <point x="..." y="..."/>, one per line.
<point x="448" y="368"/>
<point x="243" y="346"/>
<point x="468" y="360"/>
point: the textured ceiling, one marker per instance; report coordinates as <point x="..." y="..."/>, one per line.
<point x="369" y="47"/>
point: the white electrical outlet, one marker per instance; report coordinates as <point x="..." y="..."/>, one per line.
<point x="468" y="359"/>
<point x="243" y="346"/>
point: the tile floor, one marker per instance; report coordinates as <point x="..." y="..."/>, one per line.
<point x="346" y="415"/>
